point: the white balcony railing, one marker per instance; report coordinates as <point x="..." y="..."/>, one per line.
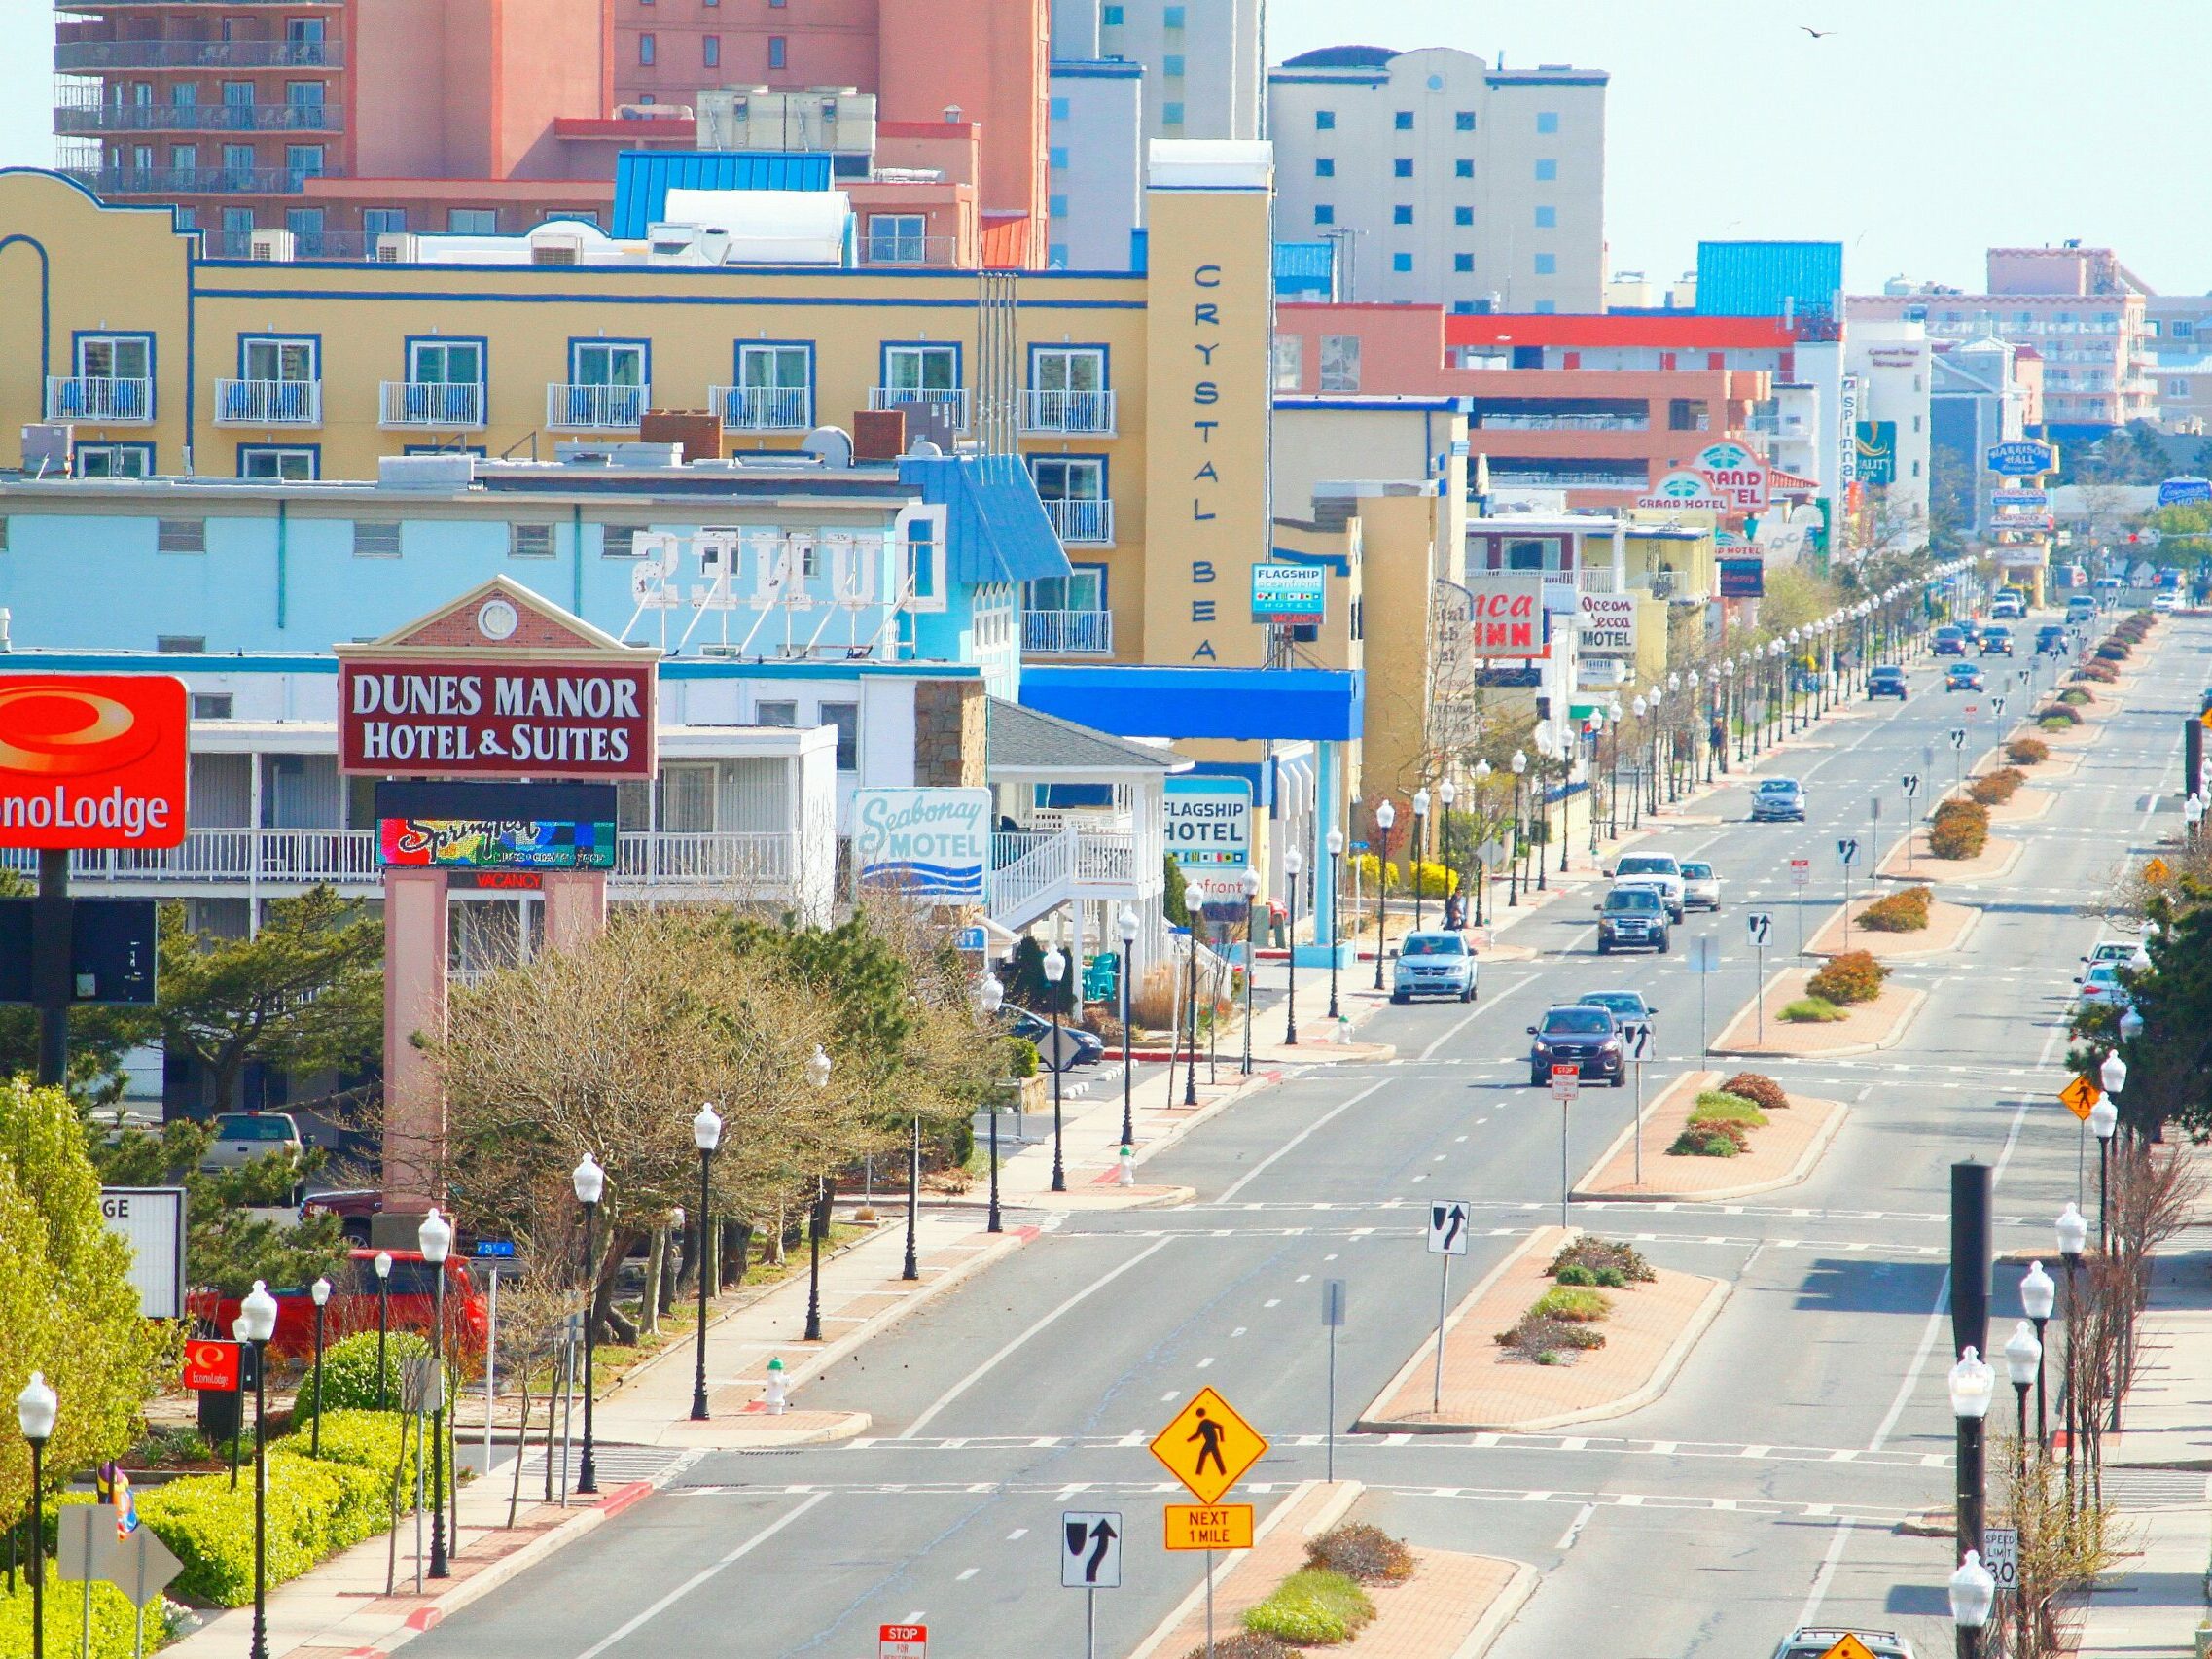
<point x="268" y="403"/>
<point x="891" y="397"/>
<point x="765" y="408"/>
<point x="742" y="862"/>
<point x="1068" y="633"/>
<point x="1068" y="412"/>
<point x="596" y="408"/>
<point x="99" y="397"/>
<point x="427" y="402"/>
<point x="1086" y="523"/>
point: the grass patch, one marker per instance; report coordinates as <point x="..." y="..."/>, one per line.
<point x="1312" y="1608"/>
<point x="1812" y="1011"/>
<point x="1715" y="1140"/>
<point x="1575" y="1306"/>
<point x="1715" y="1106"/>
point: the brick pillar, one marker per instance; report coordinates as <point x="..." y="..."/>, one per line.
<point x="414" y="1000"/>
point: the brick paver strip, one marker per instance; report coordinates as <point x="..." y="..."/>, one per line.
<point x="1776" y="1150"/>
<point x="2025" y="806"/>
<point x="1948" y="926"/>
<point x="1877" y="1024"/>
<point x="1483" y="1387"/>
<point x="1253" y="1578"/>
<point x="1431" y="1614"/>
<point x="1996" y="859"/>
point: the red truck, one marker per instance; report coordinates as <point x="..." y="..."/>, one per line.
<point x="352" y="1305"/>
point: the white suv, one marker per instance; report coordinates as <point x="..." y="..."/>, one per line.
<point x="1809" y="1641"/>
<point x="1661" y="872"/>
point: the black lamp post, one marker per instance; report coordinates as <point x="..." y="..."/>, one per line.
<point x="255" y="1325"/>
<point x="2104" y="1118"/>
<point x="1055" y="970"/>
<point x="35" y="1408"/>
<point x="1191" y="1019"/>
<point x="2039" y="1294"/>
<point x="707" y="1136"/>
<point x="1972" y="1384"/>
<point x="1335" y="845"/>
<point x="1540" y="808"/>
<point x="1974" y="1593"/>
<point x="910" y="1270"/>
<point x="589" y="1181"/>
<point x="1250" y="882"/>
<point x="2023" y="1362"/>
<point x="1420" y="846"/>
<point x="435" y="1238"/>
<point x="991" y="997"/>
<point x="818" y="1211"/>
<point x="1520" y="765"/>
<point x="1294" y="865"/>
<point x="1385" y="815"/>
<point x="2072" y="1241"/>
<point x="320" y="1292"/>
<point x="1127" y="927"/>
<point x="384" y="1267"/>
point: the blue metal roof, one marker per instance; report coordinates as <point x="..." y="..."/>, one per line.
<point x="1306" y="267"/>
<point x="643" y="178"/>
<point x="1139" y="700"/>
<point x="1754" y="279"/>
<point x="996" y="529"/>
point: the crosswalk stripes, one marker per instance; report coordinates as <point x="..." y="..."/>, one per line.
<point x="613" y="1466"/>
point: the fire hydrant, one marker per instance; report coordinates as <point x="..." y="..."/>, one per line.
<point x="1125" y="1174"/>
<point x="775" y="1400"/>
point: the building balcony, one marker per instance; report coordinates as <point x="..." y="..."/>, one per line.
<point x="1080" y="524"/>
<point x="432" y="404"/>
<point x="197" y="181"/>
<point x="1533" y="480"/>
<point x="84" y="56"/>
<point x="891" y="397"/>
<point x="91" y="118"/>
<point x="98" y="399"/>
<point x="1087" y="413"/>
<point x="885" y="248"/>
<point x="1564" y="423"/>
<point x="596" y="408"/>
<point x="268" y="403"/>
<point x="765" y="408"/>
<point x="1068" y="633"/>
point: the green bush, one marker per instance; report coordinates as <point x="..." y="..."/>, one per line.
<point x="1364" y="1554"/>
<point x="1312" y="1608"/>
<point x="349" y="1373"/>
<point x="1542" y="1341"/>
<point x="1716" y="1107"/>
<point x="1719" y="1139"/>
<point x="2113" y="650"/>
<point x="1575" y="1306"/>
<point x="2075" y="696"/>
<point x="210" y="1528"/>
<point x="64" y="1619"/>
<point x="1812" y="1011"/>
<point x="1854" y="976"/>
<point x="2100" y="673"/>
<point x="374" y="1441"/>
<point x="1759" y="1089"/>
<point x="1575" y="1273"/>
<point x="2059" y="712"/>
<point x="1021" y="1061"/>
<point x="1602" y="1256"/>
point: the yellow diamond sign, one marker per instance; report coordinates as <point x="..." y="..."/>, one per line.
<point x="1850" y="1648"/>
<point x="1208" y="1447"/>
<point x="2079" y="1096"/>
<point x="2155" y="872"/>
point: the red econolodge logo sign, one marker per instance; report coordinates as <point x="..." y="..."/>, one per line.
<point x="91" y="760"/>
<point x="489" y="718"/>
<point x="212" y="1367"/>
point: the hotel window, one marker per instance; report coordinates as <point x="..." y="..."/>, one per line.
<point x="1402" y="264"/>
<point x="1171" y="115"/>
<point x="606" y="362"/>
<point x="2177" y="388"/>
<point x="897" y="238"/>
<point x="529" y="541"/>
<point x="845" y="717"/>
<point x="382" y="222"/>
<point x="788" y="370"/>
<point x="445" y="363"/>
<point x="307" y="227"/>
<point x="180" y="645"/>
<point x="1324" y="121"/>
<point x="1402" y="213"/>
<point x="1057" y="158"/>
<point x="1324" y="167"/>
<point x="376" y="541"/>
<point x="1067" y="369"/>
<point x="1083" y="588"/>
<point x="921" y="369"/>
<point x="1324" y="213"/>
<point x="1463" y="168"/>
<point x="303" y="161"/>
<point x="1339" y="363"/>
<point x="1060" y="108"/>
<point x="776" y="59"/>
<point x="183" y="157"/>
<point x="211" y="705"/>
<point x="776" y="712"/>
<point x="115" y="356"/>
<point x="1464" y="262"/>
<point x="1171" y="18"/>
<point x="647" y="51"/>
<point x="710" y="51"/>
<point x="473" y="221"/>
<point x="1403" y="121"/>
<point x="114" y="460"/>
<point x="1172" y="66"/>
<point x="1463" y="216"/>
<point x="1056" y="206"/>
<point x="1546" y="264"/>
<point x="1289" y="363"/>
<point x="1546" y="217"/>
<point x="618" y="541"/>
<point x="1546" y="122"/>
<point x="181" y="536"/>
<point x="1402" y="168"/>
<point x="1547" y="170"/>
<point x="299" y="464"/>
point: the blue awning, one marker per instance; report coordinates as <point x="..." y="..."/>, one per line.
<point x="996" y="530"/>
<point x="1143" y="700"/>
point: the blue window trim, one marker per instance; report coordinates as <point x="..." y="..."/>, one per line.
<point x="77" y="340"/>
<point x="736" y="361"/>
<point x="315" y="453"/>
<point x="1105" y="466"/>
<point x="483" y="343"/>
<point x="644" y="346"/>
<point x="884" y="349"/>
<point x="315" y="343"/>
<point x="146" y="449"/>
<point x="1105" y="364"/>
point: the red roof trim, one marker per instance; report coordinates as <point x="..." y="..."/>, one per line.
<point x="1689" y="331"/>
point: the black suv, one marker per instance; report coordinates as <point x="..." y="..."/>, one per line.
<point x="1886" y="682"/>
<point x="1578" y="1035"/>
<point x="1632" y="918"/>
<point x="1996" y="641"/>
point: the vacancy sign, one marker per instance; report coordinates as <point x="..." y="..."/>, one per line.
<point x="91" y="760"/>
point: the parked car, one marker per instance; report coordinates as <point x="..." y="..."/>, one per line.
<point x="2100" y="986"/>
<point x="1701" y="886"/>
<point x="243" y="1138"/>
<point x="1812" y="1641"/>
<point x="1432" y="965"/>
<point x="1578" y="1035"/>
<point x="1622" y="1005"/>
<point x="1090" y="1046"/>
<point x="1964" y="677"/>
<point x="1777" y="801"/>
<point x="1996" y="641"/>
<point x="2112" y="950"/>
<point x="1659" y="870"/>
<point x="1887" y="681"/>
<point x="1632" y="917"/>
<point x="352" y="1206"/>
<point x="2168" y="602"/>
<point x="1950" y="641"/>
<point x="353" y="1303"/>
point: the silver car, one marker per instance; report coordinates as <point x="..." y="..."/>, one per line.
<point x="243" y="1136"/>
<point x="1811" y="1641"/>
<point x="1701" y="886"/>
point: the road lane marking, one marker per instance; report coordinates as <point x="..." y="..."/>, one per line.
<point x="975" y="1376"/>
<point x="967" y="1574"/>
<point x="700" y="1577"/>
<point x="1826" y="1571"/>
<point x="1936" y="1318"/>
<point x="1261" y="1168"/>
<point x="1574" y="1528"/>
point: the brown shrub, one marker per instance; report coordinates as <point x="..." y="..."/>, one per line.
<point x="1994" y="789"/>
<point x="1543" y="1340"/>
<point x="1854" y="976"/>
<point x="2027" y="750"/>
<point x="1602" y="1256"/>
<point x="1958" y="837"/>
<point x="1364" y="1554"/>
<point x="1247" y="1645"/>
<point x="1718" y="1138"/>
<point x="2057" y="713"/>
<point x="1759" y="1089"/>
<point x="1904" y="911"/>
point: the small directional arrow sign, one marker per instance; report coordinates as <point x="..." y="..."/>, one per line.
<point x="1637" y="1037"/>
<point x="1847" y="852"/>
<point x="1090" y="1549"/>
<point x="1911" y="784"/>
<point x="1447" y="1230"/>
<point x="1759" y="923"/>
<point x="1997" y="705"/>
<point x="1959" y="736"/>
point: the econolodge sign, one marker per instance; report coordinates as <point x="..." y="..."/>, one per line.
<point x="93" y="761"/>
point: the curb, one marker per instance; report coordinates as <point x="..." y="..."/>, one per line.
<point x="1924" y="954"/>
<point x="2012" y="859"/>
<point x="1670" y="1363"/>
<point x="1346" y="1495"/>
<point x="1501" y="1611"/>
<point x="1814" y="1150"/>
<point x="1425" y="1353"/>
<point x="1912" y="1002"/>
<point x="1614" y="1146"/>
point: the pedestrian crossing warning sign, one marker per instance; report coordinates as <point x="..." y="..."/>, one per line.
<point x="2079" y="1096"/>
<point x="1208" y="1447"/>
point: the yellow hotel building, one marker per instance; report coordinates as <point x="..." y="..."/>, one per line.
<point x="1142" y="398"/>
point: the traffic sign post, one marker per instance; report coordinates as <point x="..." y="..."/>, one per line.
<point x="1447" y="1238"/>
<point x="1333" y="1317"/>
<point x="1637" y="1046"/>
<point x="1846" y="855"/>
<point x="1759" y="925"/>
<point x="1957" y="736"/>
<point x="1705" y="961"/>
<point x="1801" y="872"/>
<point x="1567" y="1083"/>
<point x="1911" y="786"/>
<point x="1208" y="1430"/>
<point x="2079" y="1096"/>
<point x="1090" y="1561"/>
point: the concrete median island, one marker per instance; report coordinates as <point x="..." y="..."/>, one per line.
<point x="1782" y="1153"/>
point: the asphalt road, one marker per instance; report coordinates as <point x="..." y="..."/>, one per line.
<point x="1762" y="1490"/>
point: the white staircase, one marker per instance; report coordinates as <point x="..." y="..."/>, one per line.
<point x="1035" y="873"/>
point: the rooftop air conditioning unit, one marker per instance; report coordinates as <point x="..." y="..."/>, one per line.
<point x="271" y="247"/>
<point x="398" y="247"/>
<point x="556" y="250"/>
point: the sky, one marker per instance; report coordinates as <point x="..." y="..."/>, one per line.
<point x="1917" y="133"/>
